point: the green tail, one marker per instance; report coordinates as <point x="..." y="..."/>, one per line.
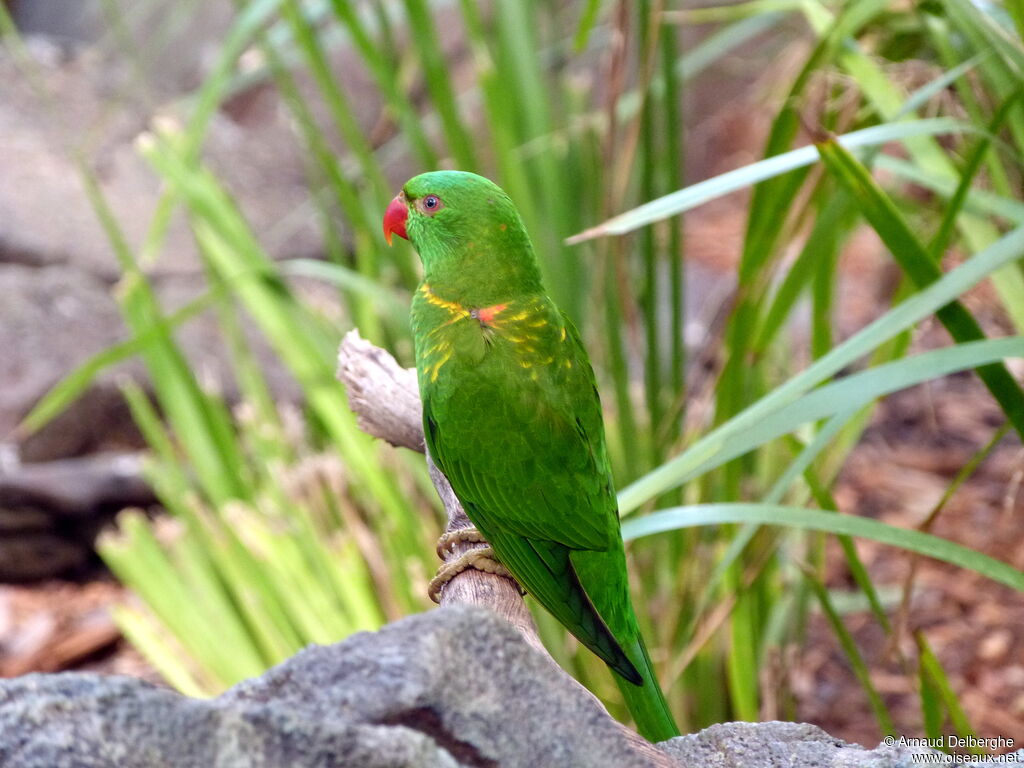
<point x="646" y="703"/>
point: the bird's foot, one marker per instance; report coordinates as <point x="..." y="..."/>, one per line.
<point x="479" y="557"/>
<point x="446" y="544"/>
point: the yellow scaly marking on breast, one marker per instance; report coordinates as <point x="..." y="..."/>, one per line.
<point x="437" y="365"/>
<point x="443" y="348"/>
<point x="439" y="348"/>
<point x="456" y="310"/>
<point x="518" y="328"/>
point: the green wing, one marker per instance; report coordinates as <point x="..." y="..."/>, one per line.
<point x="527" y="443"/>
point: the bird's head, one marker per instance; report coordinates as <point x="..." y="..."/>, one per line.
<point x="463" y="226"/>
<point x="448" y="207"/>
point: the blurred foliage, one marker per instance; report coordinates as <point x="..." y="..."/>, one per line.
<point x="288" y="529"/>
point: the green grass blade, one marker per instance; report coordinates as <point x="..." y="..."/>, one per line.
<point x="931" y="667"/>
<point x="944" y="235"/>
<point x="701" y="192"/>
<point x="859" y="389"/>
<point x="917" y="262"/>
<point x="931" y="703"/>
<point x="677" y="518"/>
<point x="853" y="655"/>
<point x="334" y="97"/>
<point x="173" y="662"/>
<point x="343" y="277"/>
<point x="778" y="490"/>
<point x="201" y="420"/>
<point x="978" y="201"/>
<point x="387" y="79"/>
<point x="438" y="81"/>
<point x="586" y="24"/>
<point x="1010" y="248"/>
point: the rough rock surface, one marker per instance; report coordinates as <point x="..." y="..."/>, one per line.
<point x="57" y="267"/>
<point x="453" y="687"/>
<point x="781" y="745"/>
<point x="50" y="513"/>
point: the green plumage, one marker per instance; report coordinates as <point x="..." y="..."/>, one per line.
<point x="513" y="418"/>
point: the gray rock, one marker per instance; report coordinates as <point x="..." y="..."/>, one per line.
<point x="94" y="111"/>
<point x="52" y="319"/>
<point x="58" y="270"/>
<point x="51" y="512"/>
<point x="455" y="687"/>
<point x="781" y="745"/>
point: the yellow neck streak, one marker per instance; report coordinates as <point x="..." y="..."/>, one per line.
<point x="456" y="310"/>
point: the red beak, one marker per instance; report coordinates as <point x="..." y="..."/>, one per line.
<point x="394" y="219"/>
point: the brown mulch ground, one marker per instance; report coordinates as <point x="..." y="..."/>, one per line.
<point x="919" y="440"/>
<point x="60" y="625"/>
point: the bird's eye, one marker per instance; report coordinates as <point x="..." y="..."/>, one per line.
<point x="431" y="202"/>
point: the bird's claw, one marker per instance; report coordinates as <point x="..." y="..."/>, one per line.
<point x="479" y="558"/>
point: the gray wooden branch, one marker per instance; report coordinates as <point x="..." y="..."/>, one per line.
<point x="385" y="398"/>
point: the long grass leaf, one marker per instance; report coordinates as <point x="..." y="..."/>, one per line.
<point x="677" y="518"/>
<point x="931" y="667"/>
<point x="1010" y="248"/>
<point x="853" y="655"/>
<point x="704" y="191"/>
<point x="860" y="389"/>
<point x="437" y="77"/>
<point x="917" y="262"/>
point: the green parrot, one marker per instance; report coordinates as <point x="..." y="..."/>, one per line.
<point x="512" y="417"/>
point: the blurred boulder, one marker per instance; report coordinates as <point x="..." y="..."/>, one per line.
<point x="51" y="512"/>
<point x="59" y="275"/>
<point x="61" y="20"/>
<point x="58" y="272"/>
<point x="87" y="111"/>
<point x="453" y="687"/>
<point x="52" y="319"/>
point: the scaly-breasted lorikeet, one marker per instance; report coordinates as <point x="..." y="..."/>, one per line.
<point x="512" y="417"/>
